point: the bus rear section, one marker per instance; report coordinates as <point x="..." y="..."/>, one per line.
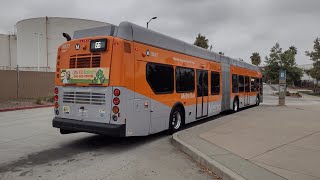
<point x="85" y="98"/>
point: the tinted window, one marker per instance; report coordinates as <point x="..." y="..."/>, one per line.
<point x="235" y="85"/>
<point x="160" y="78"/>
<point x="253" y="85"/>
<point x="184" y="79"/>
<point x="241" y="84"/>
<point x="202" y="83"/>
<point x="247" y="84"/>
<point x="215" y="83"/>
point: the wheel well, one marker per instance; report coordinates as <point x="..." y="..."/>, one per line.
<point x="179" y="105"/>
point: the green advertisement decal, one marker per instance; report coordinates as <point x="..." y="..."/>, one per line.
<point x="85" y="75"/>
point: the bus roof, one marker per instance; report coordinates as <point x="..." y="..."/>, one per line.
<point x="133" y="32"/>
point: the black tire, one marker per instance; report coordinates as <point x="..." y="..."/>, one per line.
<point x="257" y="101"/>
<point x="235" y="106"/>
<point x="176" y="120"/>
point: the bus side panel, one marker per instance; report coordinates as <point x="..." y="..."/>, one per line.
<point x="137" y="115"/>
<point x="225" y="103"/>
<point x="190" y="113"/>
<point x="160" y="114"/>
<point x="214" y="108"/>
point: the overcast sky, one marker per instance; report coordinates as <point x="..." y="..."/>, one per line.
<point x="236" y="27"/>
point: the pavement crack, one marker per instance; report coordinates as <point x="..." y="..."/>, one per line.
<point x="283" y="145"/>
<point x="282" y="168"/>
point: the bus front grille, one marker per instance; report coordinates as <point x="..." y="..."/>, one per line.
<point x="84" y="98"/>
<point x="84" y="61"/>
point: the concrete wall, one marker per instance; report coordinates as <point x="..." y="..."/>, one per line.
<point x="26" y="84"/>
<point x="49" y="31"/>
<point x="8" y="79"/>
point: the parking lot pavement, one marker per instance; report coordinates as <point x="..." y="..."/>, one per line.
<point x="31" y="149"/>
<point x="264" y="142"/>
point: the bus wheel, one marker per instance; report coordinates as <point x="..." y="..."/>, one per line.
<point x="235" y="105"/>
<point x="257" y="101"/>
<point x="176" y="120"/>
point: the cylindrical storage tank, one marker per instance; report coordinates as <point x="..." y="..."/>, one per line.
<point x="39" y="38"/>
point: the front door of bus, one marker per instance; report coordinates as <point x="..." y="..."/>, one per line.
<point x="247" y="91"/>
<point x="202" y="93"/>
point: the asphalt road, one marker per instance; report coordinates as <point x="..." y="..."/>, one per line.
<point x="31" y="149"/>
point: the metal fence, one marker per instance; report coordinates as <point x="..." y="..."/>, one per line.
<point x="17" y="83"/>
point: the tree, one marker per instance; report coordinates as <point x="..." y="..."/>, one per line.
<point x="201" y="41"/>
<point x="283" y="60"/>
<point x="255" y="59"/>
<point x="315" y="57"/>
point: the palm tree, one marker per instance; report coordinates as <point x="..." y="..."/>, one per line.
<point x="255" y="58"/>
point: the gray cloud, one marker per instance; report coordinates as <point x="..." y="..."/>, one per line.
<point x="236" y="27"/>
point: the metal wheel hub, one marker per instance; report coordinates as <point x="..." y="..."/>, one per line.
<point x="176" y="120"/>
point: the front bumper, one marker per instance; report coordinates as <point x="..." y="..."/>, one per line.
<point x="90" y="127"/>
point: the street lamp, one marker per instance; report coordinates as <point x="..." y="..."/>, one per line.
<point x="150" y="20"/>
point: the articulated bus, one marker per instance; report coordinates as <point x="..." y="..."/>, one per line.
<point x="127" y="80"/>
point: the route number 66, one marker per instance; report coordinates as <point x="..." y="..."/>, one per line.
<point x="97" y="45"/>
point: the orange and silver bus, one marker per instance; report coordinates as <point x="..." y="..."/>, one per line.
<point x="127" y="80"/>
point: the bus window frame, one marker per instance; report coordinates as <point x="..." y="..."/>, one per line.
<point x="254" y="86"/>
<point x="243" y="82"/>
<point x="165" y="65"/>
<point x="247" y="88"/>
<point x="211" y="92"/>
<point x="175" y="79"/>
<point x="236" y="83"/>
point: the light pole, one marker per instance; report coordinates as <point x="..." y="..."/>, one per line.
<point x="150" y="20"/>
<point x="38" y="51"/>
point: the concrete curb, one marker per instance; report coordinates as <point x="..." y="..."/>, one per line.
<point x="216" y="167"/>
<point x="24" y="108"/>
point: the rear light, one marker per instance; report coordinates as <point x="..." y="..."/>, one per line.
<point x="56" y="105"/>
<point x="116" y="92"/>
<point x="114" y="118"/>
<point x="56" y="90"/>
<point x="56" y="98"/>
<point x="116" y="101"/>
<point x="115" y="109"/>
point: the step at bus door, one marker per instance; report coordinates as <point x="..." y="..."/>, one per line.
<point x="247" y="91"/>
<point x="202" y="93"/>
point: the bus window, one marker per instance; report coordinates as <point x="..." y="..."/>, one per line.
<point x="247" y="84"/>
<point x="184" y="79"/>
<point x="160" y="78"/>
<point x="235" y="85"/>
<point x="253" y="84"/>
<point x="241" y="84"/>
<point x="257" y="84"/>
<point x="215" y="83"/>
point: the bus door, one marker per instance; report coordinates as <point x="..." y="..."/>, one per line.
<point x="202" y="93"/>
<point x="246" y="91"/>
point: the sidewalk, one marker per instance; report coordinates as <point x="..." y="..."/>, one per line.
<point x="263" y="143"/>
